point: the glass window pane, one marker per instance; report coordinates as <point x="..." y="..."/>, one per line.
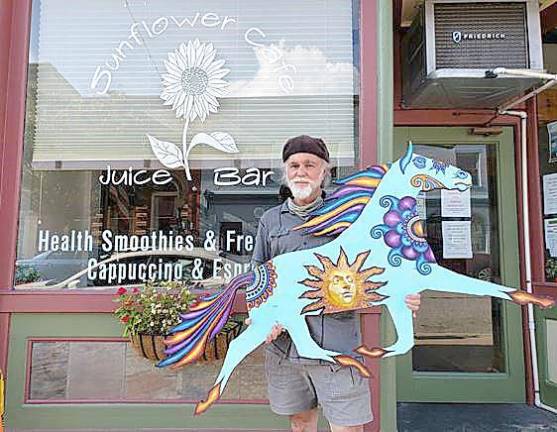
<point x="459" y="332"/>
<point x="153" y="126"/>
<point x="551" y="349"/>
<point x="547" y="141"/>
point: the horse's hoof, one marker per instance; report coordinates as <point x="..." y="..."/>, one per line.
<point x="346" y="360"/>
<point x="523" y="298"/>
<point x="375" y="352"/>
<point x="213" y="396"/>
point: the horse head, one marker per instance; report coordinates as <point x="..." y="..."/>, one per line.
<point x="425" y="174"/>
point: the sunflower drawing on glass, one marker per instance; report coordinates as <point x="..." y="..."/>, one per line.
<point x="191" y="87"/>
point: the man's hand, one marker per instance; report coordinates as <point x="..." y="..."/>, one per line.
<point x="275" y="331"/>
<point x="413" y="302"/>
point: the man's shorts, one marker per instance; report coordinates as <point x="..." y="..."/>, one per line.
<point x="341" y="392"/>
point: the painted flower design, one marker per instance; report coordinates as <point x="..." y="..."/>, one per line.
<point x="193" y="81"/>
<point x="403" y="232"/>
<point x="192" y="84"/>
<point x="419" y="162"/>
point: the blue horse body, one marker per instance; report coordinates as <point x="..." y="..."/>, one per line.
<point x="396" y="249"/>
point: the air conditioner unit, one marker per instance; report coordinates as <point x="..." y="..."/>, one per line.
<point x="452" y="43"/>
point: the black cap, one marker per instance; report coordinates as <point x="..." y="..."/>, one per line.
<point x="305" y="144"/>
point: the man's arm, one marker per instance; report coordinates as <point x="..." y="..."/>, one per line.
<point x="261" y="254"/>
<point x="261" y="250"/>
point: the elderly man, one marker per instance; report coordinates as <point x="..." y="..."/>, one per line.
<point x="297" y="385"/>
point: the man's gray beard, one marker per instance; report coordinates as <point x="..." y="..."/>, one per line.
<point x="301" y="192"/>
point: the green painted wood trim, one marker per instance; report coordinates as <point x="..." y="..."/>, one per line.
<point x="118" y="416"/>
<point x="385" y="77"/>
<point x="388" y="376"/>
<point x="548" y="389"/>
<point x="476" y="387"/>
<point x="385" y="113"/>
<point x="110" y="415"/>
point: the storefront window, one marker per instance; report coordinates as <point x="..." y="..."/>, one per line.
<point x="547" y="140"/>
<point x="154" y="131"/>
<point x="548" y="171"/>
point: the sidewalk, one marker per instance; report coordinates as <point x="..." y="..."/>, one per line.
<point x="428" y="417"/>
<point x="424" y="417"/>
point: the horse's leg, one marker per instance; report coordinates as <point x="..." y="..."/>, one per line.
<point x="239" y="348"/>
<point x="307" y="347"/>
<point x="402" y="320"/>
<point x="442" y="279"/>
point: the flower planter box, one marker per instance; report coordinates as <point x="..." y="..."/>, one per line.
<point x="152" y="347"/>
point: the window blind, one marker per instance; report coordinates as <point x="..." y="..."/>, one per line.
<point x="98" y="67"/>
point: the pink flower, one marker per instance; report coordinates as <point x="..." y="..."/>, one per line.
<point x="125" y="318"/>
<point x="121" y="291"/>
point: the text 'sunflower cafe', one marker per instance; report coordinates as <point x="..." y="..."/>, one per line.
<point x="141" y="141"/>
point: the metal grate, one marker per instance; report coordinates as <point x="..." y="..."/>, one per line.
<point x="483" y="19"/>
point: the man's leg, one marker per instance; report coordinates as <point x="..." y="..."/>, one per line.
<point x="343" y="395"/>
<point x="291" y="393"/>
<point x="305" y="421"/>
<point x="347" y="428"/>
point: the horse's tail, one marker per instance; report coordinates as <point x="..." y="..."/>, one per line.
<point x="201" y="323"/>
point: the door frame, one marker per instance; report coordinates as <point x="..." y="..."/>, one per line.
<point x="468" y="386"/>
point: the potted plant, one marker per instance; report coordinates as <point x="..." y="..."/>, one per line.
<point x="551" y="270"/>
<point x="26" y="274"/>
<point x="150" y="311"/>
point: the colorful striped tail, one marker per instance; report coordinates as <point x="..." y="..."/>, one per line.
<point x="201" y="324"/>
<point x="344" y="206"/>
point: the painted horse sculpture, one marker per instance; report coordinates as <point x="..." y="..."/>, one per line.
<point x="378" y="256"/>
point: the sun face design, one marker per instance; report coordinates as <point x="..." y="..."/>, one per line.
<point x="341" y="286"/>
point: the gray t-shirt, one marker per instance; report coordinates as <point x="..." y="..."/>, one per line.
<point x="337" y="332"/>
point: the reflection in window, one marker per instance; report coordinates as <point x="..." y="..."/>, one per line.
<point x="152" y="128"/>
<point x="113" y="371"/>
<point x="547" y="151"/>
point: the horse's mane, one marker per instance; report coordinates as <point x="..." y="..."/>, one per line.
<point x="345" y="204"/>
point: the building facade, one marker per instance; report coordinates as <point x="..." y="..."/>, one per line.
<point x="104" y="158"/>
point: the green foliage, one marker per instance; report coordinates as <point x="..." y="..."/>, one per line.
<point x="26" y="274"/>
<point x="551" y="269"/>
<point x="152" y="308"/>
